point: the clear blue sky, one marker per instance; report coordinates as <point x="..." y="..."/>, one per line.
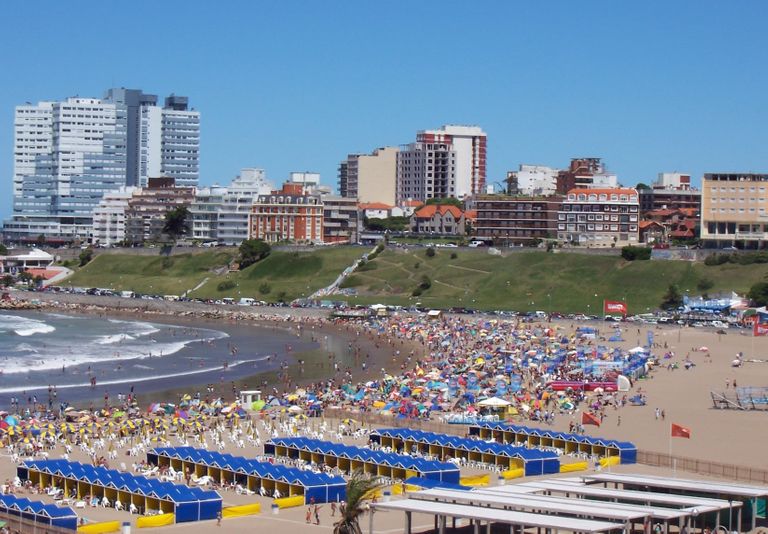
<point x="648" y="86"/>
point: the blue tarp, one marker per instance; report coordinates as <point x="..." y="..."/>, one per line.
<point x="444" y="471"/>
<point x="535" y="462"/>
<point x="627" y="451"/>
<point x="39" y="512"/>
<point x="320" y="486"/>
<point x="189" y="503"/>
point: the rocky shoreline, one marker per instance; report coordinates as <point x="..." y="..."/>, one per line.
<point x="88" y="304"/>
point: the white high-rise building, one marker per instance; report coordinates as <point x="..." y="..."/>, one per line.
<point x="170" y="142"/>
<point x="68" y="154"/>
<point x="449" y="162"/>
<point x="222" y="213"/>
<point x="534" y="180"/>
<point x="109" y="217"/>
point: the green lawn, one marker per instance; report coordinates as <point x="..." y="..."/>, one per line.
<point x="288" y="275"/>
<point x="537" y="280"/>
<point x="521" y="281"/>
<point x="158" y="275"/>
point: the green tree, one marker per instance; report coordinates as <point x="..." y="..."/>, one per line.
<point x="631" y="253"/>
<point x="40" y="241"/>
<point x="265" y="288"/>
<point x="176" y="222"/>
<point x="705" y="284"/>
<point x="641" y="185"/>
<point x="25" y="277"/>
<point x="226" y="285"/>
<point x="3" y="250"/>
<point x="431" y="252"/>
<point x="7" y="280"/>
<point x="425" y="283"/>
<point x="758" y="294"/>
<point x="361" y="488"/>
<point x="672" y="299"/>
<point x="86" y="256"/>
<point x="253" y="250"/>
<point x="444" y="202"/>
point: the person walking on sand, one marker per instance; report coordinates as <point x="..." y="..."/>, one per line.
<point x="317" y="515"/>
<point x="309" y="514"/>
<point x="218" y="518"/>
<point x="333" y="509"/>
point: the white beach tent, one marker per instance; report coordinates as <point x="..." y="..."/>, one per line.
<point x="494" y="402"/>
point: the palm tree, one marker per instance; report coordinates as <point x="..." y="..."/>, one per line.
<point x="360" y="488"/>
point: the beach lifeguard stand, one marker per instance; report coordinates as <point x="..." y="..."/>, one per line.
<point x="250" y="396"/>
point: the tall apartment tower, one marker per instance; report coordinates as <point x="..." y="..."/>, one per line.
<point x="68" y="154"/>
<point x="162" y="141"/>
<point x="449" y="162"/>
<point x="370" y="177"/>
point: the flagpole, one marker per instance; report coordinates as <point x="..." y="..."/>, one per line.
<point x="671" y="460"/>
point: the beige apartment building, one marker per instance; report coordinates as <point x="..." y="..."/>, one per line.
<point x="370" y="177"/>
<point x="734" y="210"/>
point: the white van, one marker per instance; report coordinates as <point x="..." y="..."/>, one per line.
<point x="245" y="301"/>
<point x="475" y="243"/>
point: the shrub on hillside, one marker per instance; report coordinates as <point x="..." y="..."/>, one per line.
<point x="430" y="252"/>
<point x="673" y="299"/>
<point x="631" y="253"/>
<point x="226" y="285"/>
<point x="705" y="284"/>
<point x="367" y="266"/>
<point x="758" y="294"/>
<point x="265" y="288"/>
<point x="425" y="282"/>
<point x="716" y="259"/>
<point x="742" y="258"/>
<point x="454" y="255"/>
<point x="86" y="256"/>
<point x="253" y="250"/>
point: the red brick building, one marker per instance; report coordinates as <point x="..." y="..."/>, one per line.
<point x="289" y="214"/>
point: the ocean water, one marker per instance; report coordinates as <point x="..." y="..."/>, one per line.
<point x="38" y="350"/>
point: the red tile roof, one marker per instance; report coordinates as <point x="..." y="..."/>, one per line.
<point x="45" y="273"/>
<point x="645" y="224"/>
<point x="427" y="212"/>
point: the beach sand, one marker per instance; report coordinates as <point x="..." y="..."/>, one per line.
<point x="728" y="436"/>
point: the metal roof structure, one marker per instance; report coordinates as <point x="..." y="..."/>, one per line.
<point x="733" y="492"/>
<point x="533" y="503"/>
<point x="494" y="515"/>
<point x="655" y="512"/>
<point x="682" y="484"/>
<point x="648" y="497"/>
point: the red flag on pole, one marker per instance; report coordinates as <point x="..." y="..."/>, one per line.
<point x="614" y="306"/>
<point x="589" y="419"/>
<point x="759" y="329"/>
<point x="679" y="431"/>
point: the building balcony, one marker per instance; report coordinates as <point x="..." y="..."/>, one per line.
<point x="750" y="236"/>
